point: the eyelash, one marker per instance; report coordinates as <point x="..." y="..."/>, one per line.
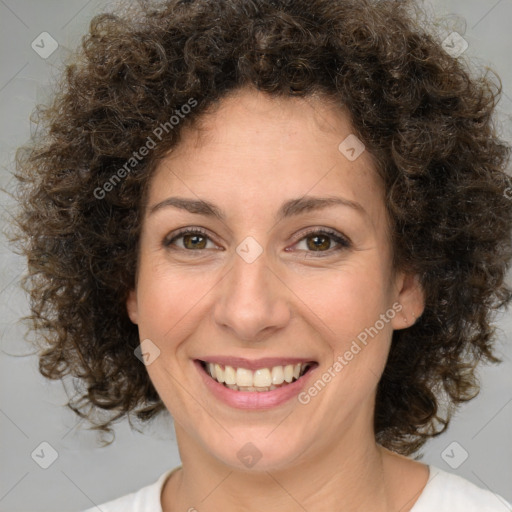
<point x="343" y="242"/>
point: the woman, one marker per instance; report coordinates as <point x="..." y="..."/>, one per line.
<point x="295" y="214"/>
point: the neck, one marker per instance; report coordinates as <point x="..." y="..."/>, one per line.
<point x="351" y="476"/>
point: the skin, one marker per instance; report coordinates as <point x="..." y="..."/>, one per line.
<point x="251" y="154"/>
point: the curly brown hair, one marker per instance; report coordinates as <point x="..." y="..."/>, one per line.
<point x="423" y="114"/>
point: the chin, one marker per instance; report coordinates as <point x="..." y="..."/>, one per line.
<point x="257" y="449"/>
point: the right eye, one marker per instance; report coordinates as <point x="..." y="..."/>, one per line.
<point x="193" y="239"/>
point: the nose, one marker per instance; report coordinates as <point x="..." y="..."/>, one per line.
<point x="252" y="301"/>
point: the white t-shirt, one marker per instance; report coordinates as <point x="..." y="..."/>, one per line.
<point x="444" y="492"/>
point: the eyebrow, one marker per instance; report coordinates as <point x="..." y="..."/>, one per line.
<point x="289" y="208"/>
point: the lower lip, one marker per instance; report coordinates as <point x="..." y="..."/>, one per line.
<point x="253" y="399"/>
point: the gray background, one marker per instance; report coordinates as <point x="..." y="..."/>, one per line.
<point x="31" y="409"/>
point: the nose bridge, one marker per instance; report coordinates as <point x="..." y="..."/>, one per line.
<point x="252" y="299"/>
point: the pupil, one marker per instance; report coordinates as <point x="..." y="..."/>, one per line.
<point x="325" y="245"/>
<point x="188" y="238"/>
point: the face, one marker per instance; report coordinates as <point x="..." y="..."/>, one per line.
<point x="268" y="277"/>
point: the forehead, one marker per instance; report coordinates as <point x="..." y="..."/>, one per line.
<point x="257" y="149"/>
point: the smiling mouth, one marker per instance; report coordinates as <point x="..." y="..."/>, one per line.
<point x="263" y="379"/>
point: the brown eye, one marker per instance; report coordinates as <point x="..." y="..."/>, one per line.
<point x="322" y="241"/>
<point x="192" y="239"/>
<point x="318" y="242"/>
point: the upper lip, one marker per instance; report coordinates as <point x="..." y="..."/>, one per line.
<point x="254" y="364"/>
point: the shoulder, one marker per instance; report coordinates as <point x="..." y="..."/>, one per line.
<point x="446" y="492"/>
<point x="146" y="498"/>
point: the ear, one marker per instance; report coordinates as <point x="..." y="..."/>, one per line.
<point x="131" y="306"/>
<point x="410" y="295"/>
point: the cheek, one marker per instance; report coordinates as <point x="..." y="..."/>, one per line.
<point x="168" y="293"/>
<point x="350" y="303"/>
<point x="162" y="303"/>
<point x="348" y="299"/>
<point x="357" y="314"/>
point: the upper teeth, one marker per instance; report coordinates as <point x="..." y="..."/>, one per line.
<point x="263" y="377"/>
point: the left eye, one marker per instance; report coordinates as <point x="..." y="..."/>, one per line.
<point x="319" y="241"/>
